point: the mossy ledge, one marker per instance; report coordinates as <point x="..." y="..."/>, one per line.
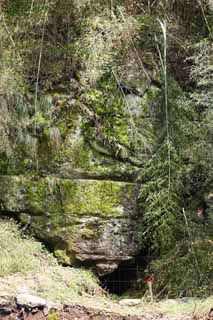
<point x="83" y="221"/>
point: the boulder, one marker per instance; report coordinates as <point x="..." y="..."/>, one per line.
<point x="30" y="301"/>
<point x="92" y="222"/>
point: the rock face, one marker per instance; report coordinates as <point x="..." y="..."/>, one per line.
<point x="67" y="172"/>
<point x="88" y="221"/>
<point x="70" y="183"/>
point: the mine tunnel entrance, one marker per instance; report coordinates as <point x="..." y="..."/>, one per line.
<point x="127" y="277"/>
<point x="120" y="280"/>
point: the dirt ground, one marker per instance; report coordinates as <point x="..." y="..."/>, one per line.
<point x="68" y="313"/>
<point x="77" y="312"/>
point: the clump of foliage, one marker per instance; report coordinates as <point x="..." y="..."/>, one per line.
<point x="18" y="254"/>
<point x="184" y="271"/>
<point x="103" y="37"/>
<point x="178" y="181"/>
<point x="202" y="98"/>
<point x="161" y="196"/>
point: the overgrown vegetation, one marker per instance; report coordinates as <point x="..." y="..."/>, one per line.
<point x="177" y="179"/>
<point x="17" y="254"/>
<point x="99" y="54"/>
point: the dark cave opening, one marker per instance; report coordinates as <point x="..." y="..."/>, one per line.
<point x="120" y="280"/>
<point x="128" y="277"/>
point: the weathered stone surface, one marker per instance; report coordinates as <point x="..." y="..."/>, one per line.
<point x="7" y="303"/>
<point x="88" y="221"/>
<point x="84" y="207"/>
<point x="130" y="302"/>
<point x="30" y="301"/>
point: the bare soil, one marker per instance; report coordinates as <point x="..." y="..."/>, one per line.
<point x="68" y="313"/>
<point x="77" y="312"/>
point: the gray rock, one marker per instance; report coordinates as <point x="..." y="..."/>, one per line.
<point x="6" y="301"/>
<point x="130" y="302"/>
<point x="30" y="301"/>
<point x="88" y="221"/>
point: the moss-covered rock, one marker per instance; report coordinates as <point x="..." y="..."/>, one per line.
<point x="84" y="207"/>
<point x="91" y="221"/>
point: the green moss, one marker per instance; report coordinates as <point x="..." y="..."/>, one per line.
<point x="54" y="315"/>
<point x="42" y="195"/>
<point x="24" y="218"/>
<point x="111" y="110"/>
<point x="77" y="153"/>
<point x="40" y="119"/>
<point x="36" y="194"/>
<point x="90" y="232"/>
<point x="64" y="196"/>
<point x="65" y="213"/>
<point x="101" y="198"/>
<point x="64" y="257"/>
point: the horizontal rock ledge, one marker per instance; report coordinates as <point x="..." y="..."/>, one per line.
<point x="54" y="195"/>
<point x="82" y="221"/>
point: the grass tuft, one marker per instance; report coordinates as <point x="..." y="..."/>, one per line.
<point x="18" y="253"/>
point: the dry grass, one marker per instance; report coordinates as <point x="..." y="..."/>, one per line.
<point x="17" y="253"/>
<point x="26" y="265"/>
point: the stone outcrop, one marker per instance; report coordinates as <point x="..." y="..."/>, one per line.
<point x="93" y="222"/>
<point x="69" y="183"/>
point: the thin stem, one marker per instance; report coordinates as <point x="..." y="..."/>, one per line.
<point x="191" y="243"/>
<point x="8" y="32"/>
<point x="38" y="75"/>
<point x="31" y="7"/>
<point x="164" y="29"/>
<point x="204" y="17"/>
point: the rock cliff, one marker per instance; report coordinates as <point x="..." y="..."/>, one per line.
<point x="73" y="192"/>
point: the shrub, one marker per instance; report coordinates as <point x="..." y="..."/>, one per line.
<point x="186" y="270"/>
